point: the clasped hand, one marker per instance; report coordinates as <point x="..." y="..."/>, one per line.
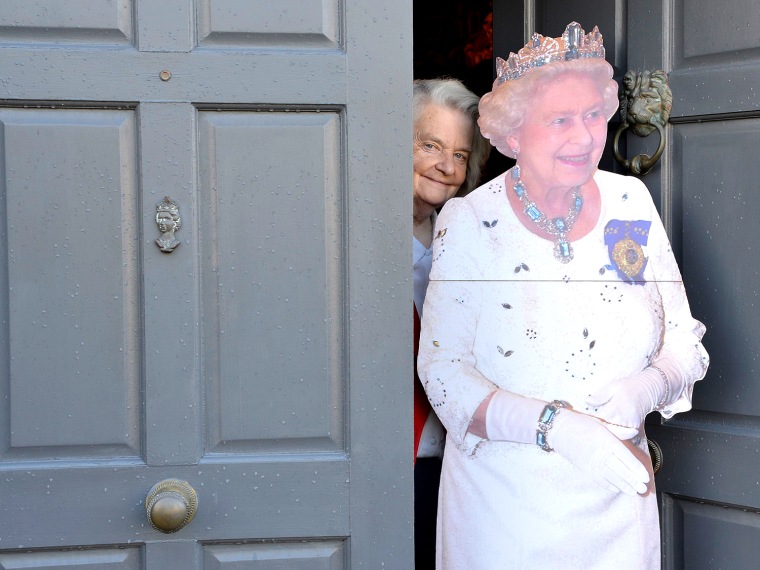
<point x="583" y="440"/>
<point x="626" y="402"/>
<point x="589" y="445"/>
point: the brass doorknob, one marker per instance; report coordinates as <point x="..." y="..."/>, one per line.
<point x="171" y="504"/>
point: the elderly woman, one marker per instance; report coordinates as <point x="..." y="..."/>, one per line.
<point x="448" y="154"/>
<point x="555" y="321"/>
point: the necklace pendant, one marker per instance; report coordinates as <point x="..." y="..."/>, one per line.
<point x="563" y="250"/>
<point x="558" y="227"/>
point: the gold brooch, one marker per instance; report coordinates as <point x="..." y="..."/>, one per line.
<point x="628" y="256"/>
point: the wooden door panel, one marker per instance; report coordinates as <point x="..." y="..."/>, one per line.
<point x="291" y="24"/>
<point x="328" y="555"/>
<point x="716" y="58"/>
<point x="278" y="500"/>
<point x="720" y="208"/>
<point x="215" y="78"/>
<point x="71" y="22"/>
<point x="172" y="382"/>
<point x="707" y="459"/>
<point x="713" y="536"/>
<point x="72" y="380"/>
<point x="272" y="236"/>
<point x="103" y="503"/>
<point x="706" y="29"/>
<point x="85" y="505"/>
<point x="95" y="559"/>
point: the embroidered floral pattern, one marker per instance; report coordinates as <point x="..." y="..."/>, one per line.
<point x="625" y="241"/>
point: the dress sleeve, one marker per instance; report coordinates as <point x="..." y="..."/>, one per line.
<point x="446" y="364"/>
<point x="681" y="351"/>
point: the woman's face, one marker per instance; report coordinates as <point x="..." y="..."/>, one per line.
<point x="563" y="136"/>
<point x="165" y="222"/>
<point x="442" y="146"/>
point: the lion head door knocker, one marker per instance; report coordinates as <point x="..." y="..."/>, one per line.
<point x="168" y="220"/>
<point x="644" y="106"/>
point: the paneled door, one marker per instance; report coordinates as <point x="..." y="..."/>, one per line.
<point x="709" y="190"/>
<point x="256" y="353"/>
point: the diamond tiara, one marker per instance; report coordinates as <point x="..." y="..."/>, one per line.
<point x="574" y="43"/>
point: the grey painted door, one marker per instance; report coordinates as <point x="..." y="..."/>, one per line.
<point x="262" y="360"/>
<point x="708" y="188"/>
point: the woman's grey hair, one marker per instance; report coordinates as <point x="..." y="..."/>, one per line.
<point x="453" y="94"/>
<point x="502" y="110"/>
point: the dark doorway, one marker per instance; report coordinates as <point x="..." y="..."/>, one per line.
<point x="455" y="39"/>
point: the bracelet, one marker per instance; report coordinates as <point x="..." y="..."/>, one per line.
<point x="666" y="397"/>
<point x="546" y="420"/>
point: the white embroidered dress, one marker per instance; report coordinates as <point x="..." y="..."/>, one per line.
<point x="502" y="312"/>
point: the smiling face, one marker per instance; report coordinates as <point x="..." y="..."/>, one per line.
<point x="563" y="135"/>
<point x="442" y="146"/>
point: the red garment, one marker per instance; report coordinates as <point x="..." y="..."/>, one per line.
<point x="421" y="404"/>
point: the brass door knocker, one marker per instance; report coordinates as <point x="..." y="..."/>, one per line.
<point x="644" y="106"/>
<point x="168" y="221"/>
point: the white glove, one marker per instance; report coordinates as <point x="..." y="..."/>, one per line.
<point x="587" y="444"/>
<point x="582" y="440"/>
<point x="627" y="401"/>
<point x="510" y="417"/>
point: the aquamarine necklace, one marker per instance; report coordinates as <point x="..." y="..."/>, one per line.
<point x="557" y="227"/>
